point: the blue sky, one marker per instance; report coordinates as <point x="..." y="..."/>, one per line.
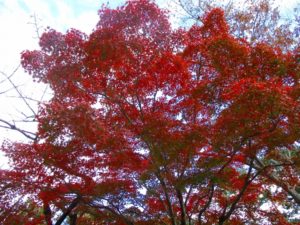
<point x="57" y="13"/>
<point x="77" y="6"/>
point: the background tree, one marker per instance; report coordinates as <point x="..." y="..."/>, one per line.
<point x="149" y="125"/>
<point x="253" y="20"/>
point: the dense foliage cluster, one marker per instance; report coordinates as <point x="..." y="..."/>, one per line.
<point x="150" y="125"/>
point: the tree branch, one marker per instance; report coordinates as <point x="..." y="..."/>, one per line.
<point x="11" y="126"/>
<point x="226" y="214"/>
<point x="73" y="204"/>
<point x="206" y="206"/>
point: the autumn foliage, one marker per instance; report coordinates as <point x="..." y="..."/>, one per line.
<point x="150" y="125"/>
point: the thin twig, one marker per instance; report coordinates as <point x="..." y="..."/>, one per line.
<point x="17" y="90"/>
<point x="11" y="126"/>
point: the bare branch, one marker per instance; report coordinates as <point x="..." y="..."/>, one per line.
<point x="11" y="126"/>
<point x="17" y="89"/>
<point x="36" y="26"/>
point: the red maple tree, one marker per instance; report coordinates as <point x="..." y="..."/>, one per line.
<point x="150" y="125"/>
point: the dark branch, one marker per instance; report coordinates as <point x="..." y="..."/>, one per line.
<point x="11" y="126"/>
<point x="73" y="204"/>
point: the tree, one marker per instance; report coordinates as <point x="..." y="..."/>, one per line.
<point x="254" y="20"/>
<point x="149" y="125"/>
